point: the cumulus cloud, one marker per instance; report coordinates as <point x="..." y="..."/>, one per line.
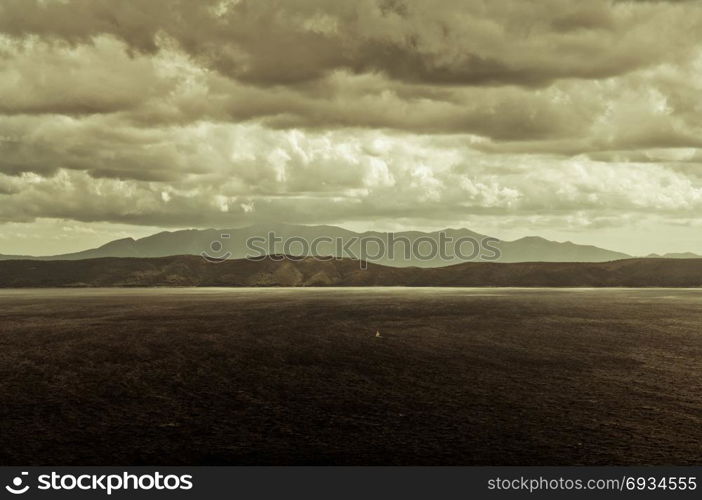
<point x="223" y="174"/>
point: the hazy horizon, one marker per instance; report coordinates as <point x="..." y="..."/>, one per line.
<point x="562" y="119"/>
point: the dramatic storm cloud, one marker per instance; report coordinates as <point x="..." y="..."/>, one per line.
<point x="569" y="119"/>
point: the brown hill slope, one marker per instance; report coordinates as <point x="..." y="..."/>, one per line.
<point x="194" y="271"/>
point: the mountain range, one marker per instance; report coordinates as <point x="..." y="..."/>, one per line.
<point x="187" y="270"/>
<point x="231" y="243"/>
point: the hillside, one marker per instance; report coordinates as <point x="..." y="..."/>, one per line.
<point x="231" y="243"/>
<point x="194" y="271"/>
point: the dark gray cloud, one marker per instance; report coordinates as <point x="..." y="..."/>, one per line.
<point x="449" y="42"/>
<point x="508" y="71"/>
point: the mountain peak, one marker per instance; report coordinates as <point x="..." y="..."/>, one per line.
<point x="118" y="243"/>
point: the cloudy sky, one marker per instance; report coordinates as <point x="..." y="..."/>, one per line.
<point x="572" y="120"/>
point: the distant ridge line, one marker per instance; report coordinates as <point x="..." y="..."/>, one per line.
<point x="196" y="241"/>
<point x="192" y="271"/>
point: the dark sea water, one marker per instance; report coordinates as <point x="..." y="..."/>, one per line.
<point x="342" y="376"/>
